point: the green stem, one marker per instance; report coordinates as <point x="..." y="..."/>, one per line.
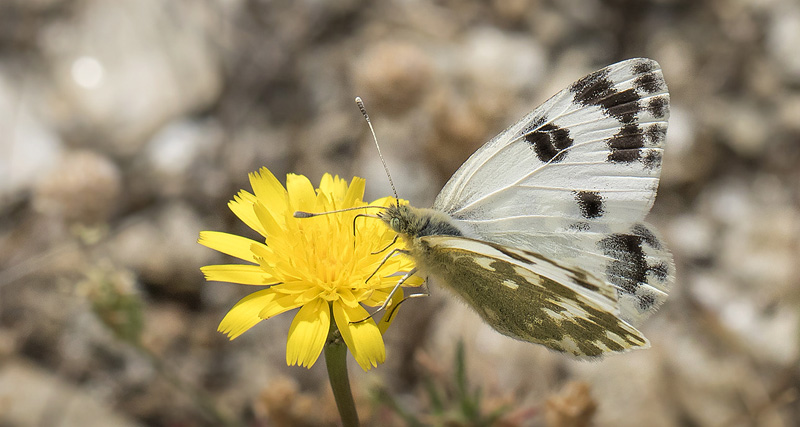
<point x="336" y="361"/>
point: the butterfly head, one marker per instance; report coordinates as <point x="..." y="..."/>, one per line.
<point x="411" y="222"/>
<point x="398" y="218"/>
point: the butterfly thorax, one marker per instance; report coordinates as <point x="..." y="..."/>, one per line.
<point x="411" y="222"/>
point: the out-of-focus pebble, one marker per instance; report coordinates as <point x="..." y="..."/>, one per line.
<point x="84" y="187"/>
<point x="393" y="75"/>
<point x="28" y="146"/>
<point x="121" y="69"/>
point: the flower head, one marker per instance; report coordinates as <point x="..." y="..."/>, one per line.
<point x="318" y="264"/>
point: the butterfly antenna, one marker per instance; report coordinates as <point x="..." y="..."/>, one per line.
<point x="304" y="214"/>
<point x="363" y="109"/>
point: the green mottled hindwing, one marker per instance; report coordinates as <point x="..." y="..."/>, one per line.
<point x="528" y="297"/>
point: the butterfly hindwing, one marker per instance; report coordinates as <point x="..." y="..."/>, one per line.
<point x="529" y="297"/>
<point x="634" y="261"/>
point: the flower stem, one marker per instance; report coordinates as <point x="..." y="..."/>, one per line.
<point x="336" y="361"/>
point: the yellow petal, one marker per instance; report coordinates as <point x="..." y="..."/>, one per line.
<point x="301" y="192"/>
<point x="390" y="281"/>
<point x="297" y="288"/>
<point x="244" y="315"/>
<point x="340" y="189"/>
<point x="324" y="202"/>
<point x="269" y="191"/>
<point x="262" y="253"/>
<point x="243" y="208"/>
<point x="267" y="220"/>
<point x="310" y="293"/>
<point x="333" y="186"/>
<point x="281" y="303"/>
<point x="362" y="338"/>
<point x="238" y="273"/>
<point x="326" y="184"/>
<point x="355" y="192"/>
<point x="308" y="333"/>
<point x="347" y="297"/>
<point x="229" y="244"/>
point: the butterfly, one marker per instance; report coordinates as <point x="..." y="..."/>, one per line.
<point x="541" y="230"/>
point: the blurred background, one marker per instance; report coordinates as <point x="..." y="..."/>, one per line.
<point x="127" y="125"/>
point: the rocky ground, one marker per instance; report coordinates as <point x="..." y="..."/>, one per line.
<point x="126" y="126"/>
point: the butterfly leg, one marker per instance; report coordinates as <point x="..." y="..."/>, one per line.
<point x="391" y="294"/>
<point x="394" y="290"/>
<point x="386" y="258"/>
<point x="394" y="308"/>
<point x="426" y="291"/>
<point x="359" y="216"/>
<point x="396" y="236"/>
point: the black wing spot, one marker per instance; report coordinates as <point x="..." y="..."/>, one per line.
<point x="598" y="89"/>
<point x="643" y="67"/>
<point x="649" y="83"/>
<point x="536" y="123"/>
<point x="579" y="226"/>
<point x="660" y="271"/>
<point x="646" y="301"/>
<point x="592" y="88"/>
<point x="626" y="144"/>
<point x="549" y="141"/>
<point x="652" y="159"/>
<point x="647" y="236"/>
<point x="658" y="107"/>
<point x="624" y="106"/>
<point x="624" y="156"/>
<point x="629" y="268"/>
<point x="647" y="80"/>
<point x="590" y="204"/>
<point x="656" y="134"/>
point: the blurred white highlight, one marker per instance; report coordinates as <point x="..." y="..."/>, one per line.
<point x="88" y="72"/>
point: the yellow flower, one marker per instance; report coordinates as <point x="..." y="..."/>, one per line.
<point x="316" y="264"/>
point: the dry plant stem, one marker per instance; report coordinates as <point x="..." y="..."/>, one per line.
<point x="336" y="361"/>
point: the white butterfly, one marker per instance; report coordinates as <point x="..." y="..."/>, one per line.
<point x="540" y="230"/>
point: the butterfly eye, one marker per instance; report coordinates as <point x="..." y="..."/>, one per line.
<point x="395" y="224"/>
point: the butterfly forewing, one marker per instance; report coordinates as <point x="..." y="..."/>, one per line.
<point x="591" y="153"/>
<point x="529" y="297"/>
